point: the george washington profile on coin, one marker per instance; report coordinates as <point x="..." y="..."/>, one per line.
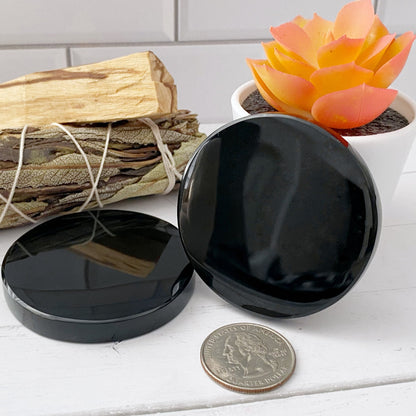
<point x="248" y="358"/>
<point x="248" y="351"/>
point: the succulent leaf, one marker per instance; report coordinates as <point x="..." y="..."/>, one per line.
<point x="337" y="73"/>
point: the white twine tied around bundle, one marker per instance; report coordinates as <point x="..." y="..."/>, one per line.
<point x="167" y="159"/>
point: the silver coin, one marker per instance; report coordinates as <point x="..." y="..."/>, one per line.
<point x="248" y="358"/>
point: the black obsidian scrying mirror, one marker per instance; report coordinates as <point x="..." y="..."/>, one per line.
<point x="278" y="215"/>
<point x="97" y="276"/>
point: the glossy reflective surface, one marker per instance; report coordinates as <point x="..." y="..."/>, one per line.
<point x="277" y="215"/>
<point x="97" y="276"/>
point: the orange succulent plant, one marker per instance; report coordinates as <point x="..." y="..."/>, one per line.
<point x="336" y="73"/>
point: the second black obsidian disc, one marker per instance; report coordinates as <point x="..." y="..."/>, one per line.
<point x="278" y="215"/>
<point x="97" y="276"/>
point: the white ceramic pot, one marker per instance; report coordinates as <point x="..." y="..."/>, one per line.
<point x="385" y="154"/>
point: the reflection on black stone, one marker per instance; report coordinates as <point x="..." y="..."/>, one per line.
<point x="97" y="265"/>
<point x="289" y="215"/>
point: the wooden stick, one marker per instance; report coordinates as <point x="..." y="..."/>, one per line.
<point x="129" y="87"/>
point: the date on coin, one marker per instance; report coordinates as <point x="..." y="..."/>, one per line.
<point x="248" y="358"/>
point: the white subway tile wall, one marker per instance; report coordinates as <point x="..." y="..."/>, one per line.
<point x="203" y="43"/>
<point x="399" y="16"/>
<point x="236" y="19"/>
<point x="86" y="21"/>
<point x="18" y="62"/>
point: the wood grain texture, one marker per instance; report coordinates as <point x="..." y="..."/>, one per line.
<point x="342" y="349"/>
<point x="398" y="399"/>
<point x="129" y="87"/>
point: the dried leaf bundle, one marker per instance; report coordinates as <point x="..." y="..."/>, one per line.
<point x="54" y="177"/>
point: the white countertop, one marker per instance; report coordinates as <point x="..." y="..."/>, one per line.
<point x="356" y="357"/>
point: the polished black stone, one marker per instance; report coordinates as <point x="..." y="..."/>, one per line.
<point x="97" y="276"/>
<point x="278" y="215"/>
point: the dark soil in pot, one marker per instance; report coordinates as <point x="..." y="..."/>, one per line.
<point x="390" y="120"/>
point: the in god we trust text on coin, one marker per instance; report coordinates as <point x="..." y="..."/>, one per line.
<point x="248" y="358"/>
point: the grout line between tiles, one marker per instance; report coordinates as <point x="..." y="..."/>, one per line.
<point x="375" y="4"/>
<point x="68" y="57"/>
<point x="212" y="42"/>
<point x="176" y="20"/>
<point x="129" y="44"/>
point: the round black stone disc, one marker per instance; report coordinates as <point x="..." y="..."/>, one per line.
<point x="97" y="276"/>
<point x="278" y="215"/>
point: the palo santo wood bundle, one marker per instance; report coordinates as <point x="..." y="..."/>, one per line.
<point x="57" y="172"/>
<point x="133" y="86"/>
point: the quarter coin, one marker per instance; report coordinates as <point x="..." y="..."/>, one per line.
<point x="248" y="358"/>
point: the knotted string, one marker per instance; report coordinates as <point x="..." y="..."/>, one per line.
<point x="94" y="183"/>
<point x="167" y="159"/>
